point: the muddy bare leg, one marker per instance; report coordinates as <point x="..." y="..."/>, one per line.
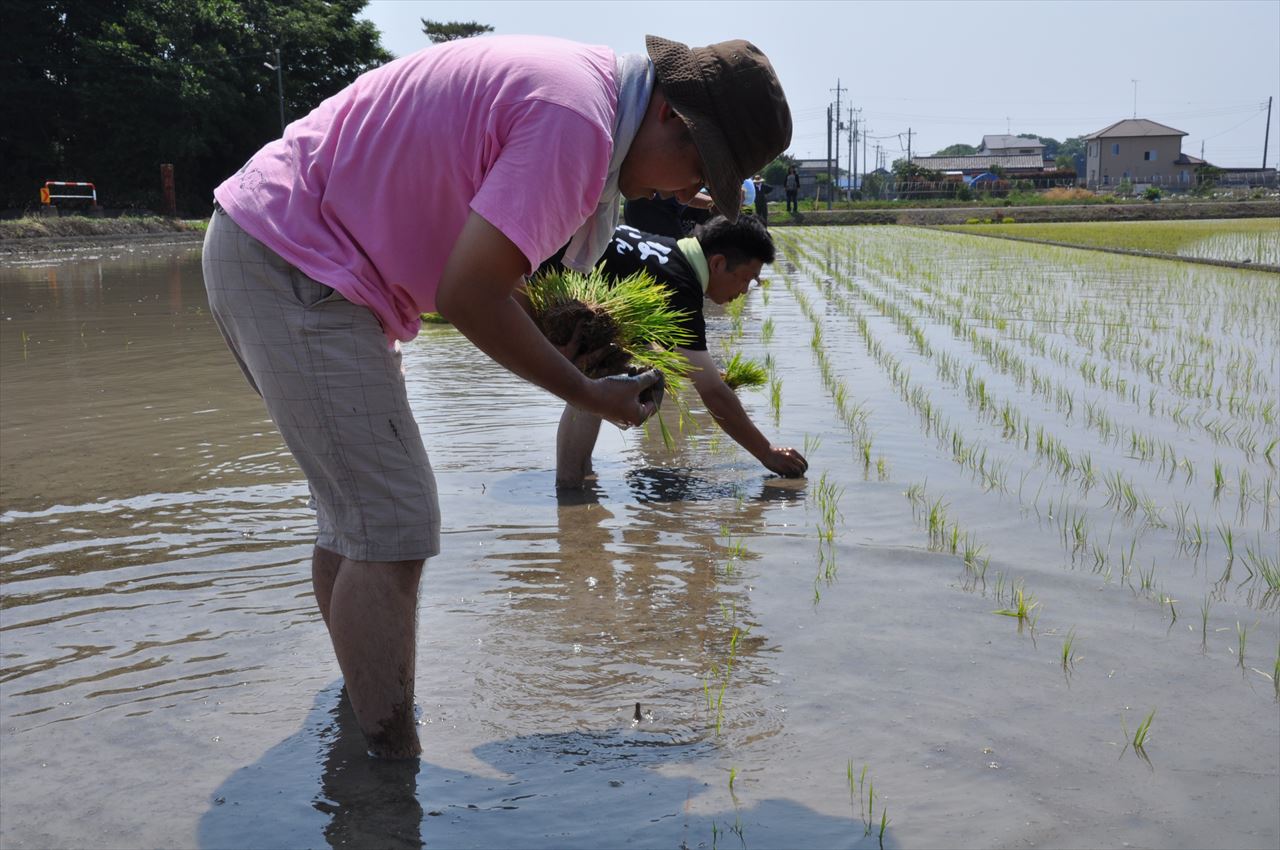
<point x="324" y="572"/>
<point x="575" y="439"/>
<point x="373" y="613"/>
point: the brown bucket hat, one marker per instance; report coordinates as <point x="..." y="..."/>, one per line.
<point x="732" y="102"/>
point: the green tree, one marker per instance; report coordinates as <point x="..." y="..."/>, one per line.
<point x="775" y="172"/>
<point x="1051" y="145"/>
<point x="442" y="31"/>
<point x="106" y="90"/>
<point x="957" y="149"/>
<point x="1073" y="147"/>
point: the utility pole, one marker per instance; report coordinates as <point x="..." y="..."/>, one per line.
<point x="1135" y="96"/>
<point x="836" y="175"/>
<point x="908" y="145"/>
<point x="865" y="131"/>
<point x="849" y="194"/>
<point x="1266" y="140"/>
<point x="279" y="86"/>
<point x="828" y="154"/>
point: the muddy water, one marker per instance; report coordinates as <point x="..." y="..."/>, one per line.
<point x="166" y="681"/>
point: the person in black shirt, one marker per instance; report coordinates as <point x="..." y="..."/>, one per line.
<point x="667" y="216"/>
<point x="719" y="262"/>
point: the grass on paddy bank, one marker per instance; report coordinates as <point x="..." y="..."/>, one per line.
<point x="69" y="226"/>
<point x="1235" y="242"/>
<point x="39" y="235"/>
<point x="929" y="216"/>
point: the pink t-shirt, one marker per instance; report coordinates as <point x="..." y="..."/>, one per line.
<point x="369" y="192"/>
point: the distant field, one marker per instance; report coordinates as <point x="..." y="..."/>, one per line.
<point x="1255" y="240"/>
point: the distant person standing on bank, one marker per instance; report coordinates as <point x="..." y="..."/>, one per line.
<point x="763" y="191"/>
<point x="791" y="185"/>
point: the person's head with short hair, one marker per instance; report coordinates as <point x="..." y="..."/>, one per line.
<point x="717" y="115"/>
<point x="736" y="251"/>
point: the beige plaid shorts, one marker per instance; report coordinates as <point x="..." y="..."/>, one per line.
<point x="335" y="389"/>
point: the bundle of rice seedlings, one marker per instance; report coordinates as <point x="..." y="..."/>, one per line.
<point x="434" y="319"/>
<point x="631" y="317"/>
<point x="744" y="372"/>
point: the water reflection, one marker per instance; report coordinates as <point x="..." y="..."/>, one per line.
<point x="641" y="600"/>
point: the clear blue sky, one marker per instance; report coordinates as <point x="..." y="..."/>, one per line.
<point x="952" y="71"/>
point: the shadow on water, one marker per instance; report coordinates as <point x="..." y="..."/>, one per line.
<point x="563" y="790"/>
<point x="657" y="484"/>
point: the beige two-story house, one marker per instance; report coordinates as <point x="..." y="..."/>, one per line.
<point x="1140" y="151"/>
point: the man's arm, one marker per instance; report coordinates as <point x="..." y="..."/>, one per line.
<point x="724" y="406"/>
<point x="477" y="295"/>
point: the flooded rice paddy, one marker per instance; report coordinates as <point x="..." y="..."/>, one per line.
<point x="1040" y="524"/>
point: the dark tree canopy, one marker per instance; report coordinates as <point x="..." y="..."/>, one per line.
<point x="107" y="90"/>
<point x="776" y="171"/>
<point x="957" y="149"/>
<point x="442" y="31"/>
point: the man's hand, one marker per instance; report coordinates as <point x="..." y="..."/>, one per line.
<point x="785" y="461"/>
<point x="701" y="201"/>
<point x="617" y="398"/>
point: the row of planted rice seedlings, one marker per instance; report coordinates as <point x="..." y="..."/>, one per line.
<point x="1122" y="494"/>
<point x="1247" y="394"/>
<point x="945" y="534"/>
<point x="1138" y="443"/>
<point x="942" y="536"/>
<point x="1248" y="439"/>
<point x="967" y="451"/>
<point x="1207" y="325"/>
<point x="946" y="308"/>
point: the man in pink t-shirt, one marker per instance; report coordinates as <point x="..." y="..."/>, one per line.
<point x="437" y="183"/>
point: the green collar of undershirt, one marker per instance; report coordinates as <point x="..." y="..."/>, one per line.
<point x="692" y="250"/>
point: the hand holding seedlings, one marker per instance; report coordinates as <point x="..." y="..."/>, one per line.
<point x="642" y="391"/>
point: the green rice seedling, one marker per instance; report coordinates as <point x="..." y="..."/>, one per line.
<point x="775" y="398"/>
<point x="884" y="824"/>
<point x="733" y="774"/>
<point x="766" y="330"/>
<point x="1228" y="540"/>
<point x="434" y="319"/>
<point x="1242" y="635"/>
<point x="1204" y="625"/>
<point x="1143" y="731"/>
<point x="1263" y="566"/>
<point x="1275" y="675"/>
<point x="882" y="468"/>
<point x="1147" y="578"/>
<point x="1023" y="607"/>
<point x="1068" y="651"/>
<point x="937" y="521"/>
<point x="742" y="372"/>
<point x="811" y="443"/>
